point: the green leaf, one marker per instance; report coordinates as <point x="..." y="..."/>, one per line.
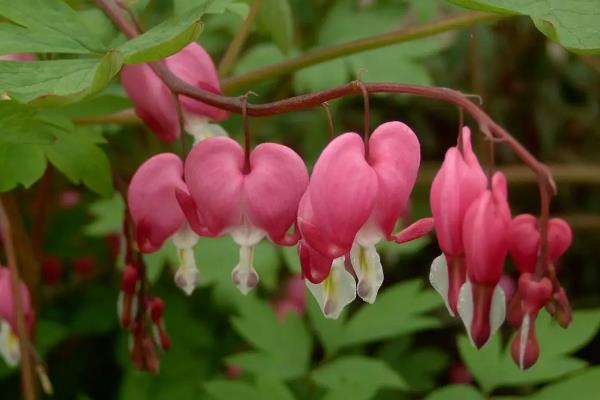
<point x="77" y="155"/>
<point x="59" y="81"/>
<point x="227" y="390"/>
<point x="107" y="216"/>
<point x="329" y="331"/>
<point x="273" y="389"/>
<point x="583" y="386"/>
<point x="321" y="76"/>
<point x="19" y="124"/>
<point x="17" y="39"/>
<point x="283" y="346"/>
<point x="357" y="376"/>
<point x="456" y="392"/>
<point x="155" y="262"/>
<point x="576" y="26"/>
<point x="20" y="164"/>
<point x="275" y="18"/>
<point x="49" y="334"/>
<point x="494" y="368"/>
<point x="398" y="310"/>
<point x="61" y="24"/>
<point x="212" y="6"/>
<point x="164" y="39"/>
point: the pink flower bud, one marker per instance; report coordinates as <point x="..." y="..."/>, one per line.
<point x="52" y="267"/>
<point x="154" y="102"/>
<point x="7" y="305"/>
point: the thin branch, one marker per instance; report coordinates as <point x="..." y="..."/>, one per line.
<point x="235" y="47"/>
<point x="317" y="56"/>
<point x="27" y="380"/>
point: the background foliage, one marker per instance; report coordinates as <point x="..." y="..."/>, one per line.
<point x="58" y="161"/>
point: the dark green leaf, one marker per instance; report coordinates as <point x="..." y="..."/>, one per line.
<point x="20" y="164"/>
<point x="164" y="39"/>
<point x="54" y="18"/>
<point x="456" y="392"/>
<point x="275" y="18"/>
<point x="19" y="124"/>
<point x="59" y="81"/>
<point x="576" y="26"/>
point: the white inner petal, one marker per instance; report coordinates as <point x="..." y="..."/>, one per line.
<point x="336" y="291"/>
<point x="497" y="310"/>
<point x="244" y="275"/>
<point x="246" y="234"/>
<point x="9" y="344"/>
<point x="367" y="266"/>
<point x="438" y="276"/>
<point x="196" y="126"/>
<point x="187" y="276"/>
<point x="523" y="339"/>
<point x="465" y="307"/>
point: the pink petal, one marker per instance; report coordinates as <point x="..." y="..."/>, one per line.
<point x="524" y="241"/>
<point x="414" y="231"/>
<point x="458" y="183"/>
<point x="394" y="154"/>
<point x="485" y="233"/>
<point x="7" y="305"/>
<point x="152" y="201"/>
<point x="341" y="196"/>
<point x="315" y="267"/>
<point x="560" y="237"/>
<point x="273" y="188"/>
<point x="152" y="99"/>
<point x="195" y="66"/>
<point x="213" y="173"/>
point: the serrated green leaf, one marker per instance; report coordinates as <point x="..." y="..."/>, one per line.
<point x="398" y="310"/>
<point x="273" y="389"/>
<point x="275" y="18"/>
<point x="284" y="343"/>
<point x="576" y="26"/>
<point x="59" y="81"/>
<point x="164" y="39"/>
<point x="81" y="160"/>
<point x="56" y="19"/>
<point x="227" y="390"/>
<point x="155" y="262"/>
<point x="20" y="164"/>
<point x="329" y="331"/>
<point x="107" y="216"/>
<point x="17" y="39"/>
<point x="360" y="377"/>
<point x="19" y="124"/>
<point x="456" y="392"/>
<point x="484" y="363"/>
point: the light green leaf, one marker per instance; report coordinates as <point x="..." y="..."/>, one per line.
<point x="212" y="6"/>
<point x="155" y="262"/>
<point x="290" y="257"/>
<point x="56" y="19"/>
<point x="227" y="390"/>
<point x="329" y="331"/>
<point x="456" y="392"/>
<point x="273" y="389"/>
<point x="17" y="39"/>
<point x="258" y="56"/>
<point x="107" y="216"/>
<point x="557" y="340"/>
<point x="275" y="18"/>
<point x="484" y="363"/>
<point x="582" y="386"/>
<point x="164" y="39"/>
<point x="77" y="155"/>
<point x="321" y="76"/>
<point x="398" y="310"/>
<point x="59" y="81"/>
<point x="102" y="104"/>
<point x="357" y="376"/>
<point x="20" y="164"/>
<point x="576" y="26"/>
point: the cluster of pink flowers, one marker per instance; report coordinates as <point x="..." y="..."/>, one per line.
<point x="476" y="232"/>
<point x="357" y="191"/>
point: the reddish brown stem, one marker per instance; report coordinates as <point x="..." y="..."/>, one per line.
<point x="27" y="376"/>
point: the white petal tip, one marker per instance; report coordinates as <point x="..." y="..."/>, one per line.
<point x="187" y="279"/>
<point x="438" y="277"/>
<point x="336" y="291"/>
<point x="245" y="279"/>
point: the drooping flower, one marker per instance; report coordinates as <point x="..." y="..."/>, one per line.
<point x="524" y="247"/>
<point x="353" y="201"/>
<point x="247" y="199"/>
<point x="533" y="294"/>
<point x="154" y="102"/>
<point x="457" y="184"/>
<point x="157" y="216"/>
<point x="481" y="302"/>
<point x="9" y="339"/>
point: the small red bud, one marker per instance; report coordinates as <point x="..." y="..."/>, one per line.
<point x="52" y="270"/>
<point x="156" y="308"/>
<point x="84" y="266"/>
<point x="130" y="278"/>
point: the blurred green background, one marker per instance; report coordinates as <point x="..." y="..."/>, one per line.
<point x="405" y="346"/>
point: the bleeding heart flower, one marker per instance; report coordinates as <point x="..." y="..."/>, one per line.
<point x="525" y="238"/>
<point x="248" y="199"/>
<point x="457" y="184"/>
<point x="158" y="217"/>
<point x="353" y="201"/>
<point x="154" y="102"/>
<point x="481" y="302"/>
<point x="534" y="294"/>
<point x="9" y="339"/>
